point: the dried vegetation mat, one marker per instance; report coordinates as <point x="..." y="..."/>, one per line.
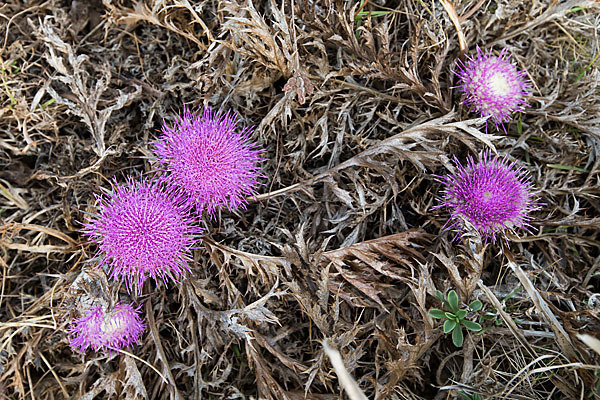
<point x="355" y="103"/>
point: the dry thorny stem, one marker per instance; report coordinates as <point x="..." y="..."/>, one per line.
<point x="355" y="103"/>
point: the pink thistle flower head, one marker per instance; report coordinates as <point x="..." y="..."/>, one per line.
<point x="210" y="158"/>
<point x="493" y="86"/>
<point x="490" y="196"/>
<point x="84" y="332"/>
<point x="143" y="229"/>
<point x="121" y="327"/>
<point x="106" y="331"/>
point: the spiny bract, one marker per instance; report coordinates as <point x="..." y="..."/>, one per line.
<point x="492" y="196"/>
<point x="210" y="158"/>
<point x="493" y="86"/>
<point x="143" y="229"/>
<point x="106" y="331"/>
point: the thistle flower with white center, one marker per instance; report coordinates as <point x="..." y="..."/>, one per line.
<point x="106" y="331"/>
<point x="121" y="327"/>
<point x="84" y="332"/>
<point x="493" y="86"/>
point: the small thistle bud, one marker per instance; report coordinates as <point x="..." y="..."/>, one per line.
<point x="491" y="196"/>
<point x="210" y="158"/>
<point x="493" y="86"/>
<point x="143" y="229"/>
<point x="106" y="331"/>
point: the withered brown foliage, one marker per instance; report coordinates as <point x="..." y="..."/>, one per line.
<point x="355" y="103"/>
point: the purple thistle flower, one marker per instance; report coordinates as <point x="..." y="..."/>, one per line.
<point x="121" y="327"/>
<point x="491" y="196"/>
<point x="214" y="162"/>
<point x="85" y="331"/>
<point x="143" y="229"/>
<point x="106" y="331"/>
<point x="493" y="86"/>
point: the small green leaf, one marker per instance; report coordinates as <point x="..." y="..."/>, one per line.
<point x="439" y="295"/>
<point x="437" y="313"/>
<point x="457" y="336"/>
<point x="466" y="396"/>
<point x="475" y="305"/>
<point x="449" y="315"/>
<point x="472" y="326"/>
<point x="566" y="167"/>
<point x="46" y="104"/>
<point x="489" y="316"/>
<point x="449" y="325"/>
<point x="453" y="301"/>
<point x="461" y="314"/>
<point x="363" y="14"/>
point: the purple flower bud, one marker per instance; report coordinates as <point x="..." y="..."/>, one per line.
<point x="491" y="196"/>
<point x="106" y="331"/>
<point x="143" y="229"/>
<point x="210" y="158"/>
<point x="493" y="86"/>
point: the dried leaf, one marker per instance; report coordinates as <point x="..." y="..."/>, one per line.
<point x="392" y="256"/>
<point x="346" y="380"/>
<point x="84" y="99"/>
<point x="300" y="84"/>
<point x="105" y="384"/>
<point x="133" y="385"/>
<point x="562" y="337"/>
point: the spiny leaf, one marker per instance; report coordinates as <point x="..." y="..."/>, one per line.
<point x="133" y="385"/>
<point x="389" y="255"/>
<point x="393" y="256"/>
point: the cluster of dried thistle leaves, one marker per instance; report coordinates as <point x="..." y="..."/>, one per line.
<point x="356" y="114"/>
